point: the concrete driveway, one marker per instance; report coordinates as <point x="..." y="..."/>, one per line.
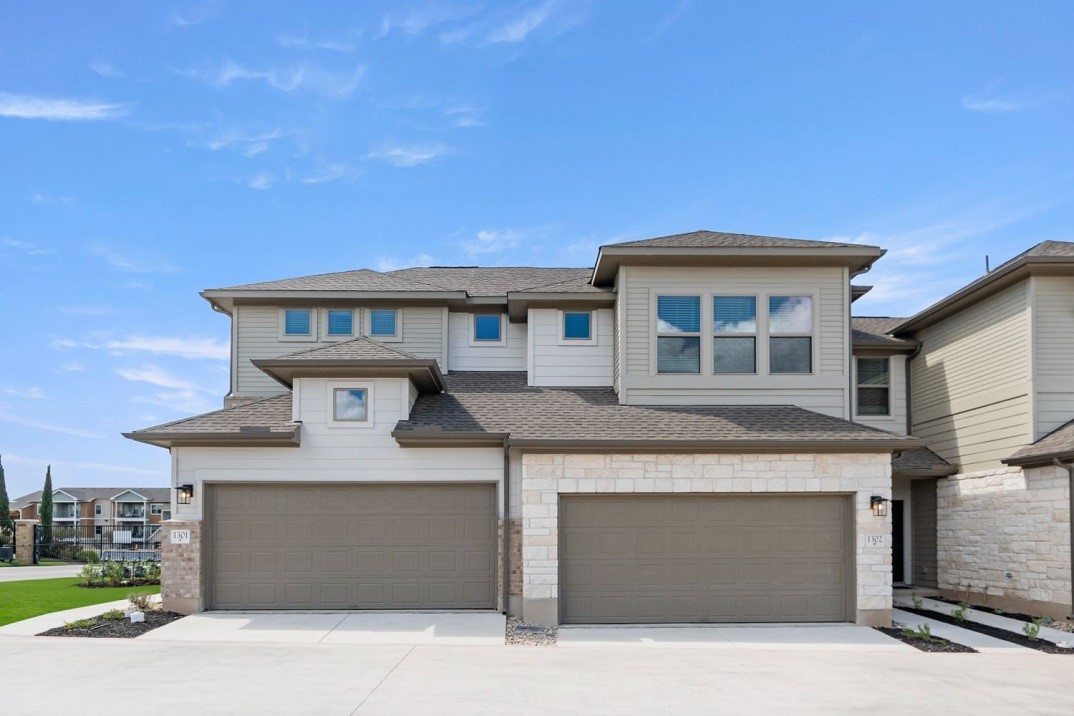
<point x="779" y="637"/>
<point x="405" y="628"/>
<point x="18" y="574"/>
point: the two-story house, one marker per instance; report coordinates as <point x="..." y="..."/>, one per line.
<point x="100" y="511"/>
<point x="667" y="436"/>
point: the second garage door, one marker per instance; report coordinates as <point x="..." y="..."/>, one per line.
<point x="352" y="546"/>
<point x="702" y="558"/>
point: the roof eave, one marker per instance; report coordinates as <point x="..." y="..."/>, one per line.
<point x="445" y="438"/>
<point x="441" y="438"/>
<point x="928" y="472"/>
<point x="859" y="349"/>
<point x="1040" y="459"/>
<point x="425" y="372"/>
<point x="218" y="439"/>
<point x="519" y="302"/>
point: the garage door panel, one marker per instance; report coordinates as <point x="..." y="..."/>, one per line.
<point x="703" y="558"/>
<point x="354" y="547"/>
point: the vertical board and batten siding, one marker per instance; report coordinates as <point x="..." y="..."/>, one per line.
<point x="824" y="391"/>
<point x="508" y="356"/>
<point x="971" y="382"/>
<point x="338" y="454"/>
<point x="1053" y="351"/>
<point x="557" y="364"/>
<point x="258" y="336"/>
<point x="895" y="421"/>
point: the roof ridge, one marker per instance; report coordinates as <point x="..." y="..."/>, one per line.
<point x="215" y="412"/>
<point x="356" y="339"/>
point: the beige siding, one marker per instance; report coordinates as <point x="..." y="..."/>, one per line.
<point x="258" y="336"/>
<point x="558" y="364"/>
<point x="896" y="421"/>
<point x="1053" y="315"/>
<point x="826" y="390"/>
<point x="465" y="357"/>
<point x="971" y="382"/>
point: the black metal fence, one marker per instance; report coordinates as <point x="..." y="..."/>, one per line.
<point x="97" y="542"/>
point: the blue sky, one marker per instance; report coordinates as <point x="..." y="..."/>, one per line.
<point x="150" y="150"/>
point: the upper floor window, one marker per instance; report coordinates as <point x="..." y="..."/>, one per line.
<point x="790" y="334"/>
<point x="734" y="327"/>
<point x="156" y="509"/>
<point x="384" y="323"/>
<point x="874" y="386"/>
<point x="350" y="405"/>
<point x="678" y="334"/>
<point x="577" y="325"/>
<point x="340" y="322"/>
<point x="296" y="322"/>
<point x="488" y="328"/>
<point x="98" y="510"/>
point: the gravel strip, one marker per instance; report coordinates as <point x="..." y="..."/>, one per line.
<point x="521" y="634"/>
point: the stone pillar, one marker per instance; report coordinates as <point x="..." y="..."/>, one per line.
<point x="181" y="588"/>
<point x="24" y="541"/>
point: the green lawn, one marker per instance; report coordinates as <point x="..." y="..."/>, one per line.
<point x="34" y="597"/>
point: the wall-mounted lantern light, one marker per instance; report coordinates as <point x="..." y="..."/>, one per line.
<point x="184" y="494"/>
<point x="879" y="505"/>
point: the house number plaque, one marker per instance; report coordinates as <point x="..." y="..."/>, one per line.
<point x="180" y="537"/>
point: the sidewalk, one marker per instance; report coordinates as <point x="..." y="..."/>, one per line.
<point x="19" y="574"/>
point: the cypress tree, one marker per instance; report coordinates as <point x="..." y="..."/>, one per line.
<point x="44" y="509"/>
<point x="7" y="527"/>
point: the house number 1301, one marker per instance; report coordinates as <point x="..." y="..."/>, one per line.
<point x="180" y="537"/>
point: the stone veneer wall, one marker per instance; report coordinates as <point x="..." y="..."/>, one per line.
<point x="546" y="476"/>
<point x="514" y="586"/>
<point x="1006" y="521"/>
<point x="181" y="588"/>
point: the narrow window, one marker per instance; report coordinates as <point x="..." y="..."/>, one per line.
<point x="487" y="328"/>
<point x="383" y="323"/>
<point x="97" y="510"/>
<point x="678" y="334"/>
<point x="350" y="405"/>
<point x="577" y="326"/>
<point x="874" y="386"/>
<point x="790" y="334"/>
<point x="734" y="325"/>
<point x="296" y="322"/>
<point x="340" y="323"/>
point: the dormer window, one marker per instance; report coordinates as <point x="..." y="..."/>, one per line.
<point x="350" y="405"/>
<point x="678" y="334"/>
<point x="296" y="322"/>
<point x="487" y="328"/>
<point x="384" y="323"/>
<point x="790" y="331"/>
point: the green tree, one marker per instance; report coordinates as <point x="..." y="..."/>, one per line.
<point x="7" y="527"/>
<point x="44" y="509"/>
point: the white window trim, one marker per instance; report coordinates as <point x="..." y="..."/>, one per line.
<point x="330" y="401"/>
<point x="561" y="327"/>
<point x="471" y="331"/>
<point x="284" y="336"/>
<point x="367" y="325"/>
<point x="355" y="325"/>
<point x="858" y="386"/>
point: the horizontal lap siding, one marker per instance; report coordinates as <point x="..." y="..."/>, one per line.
<point x="1054" y="351"/>
<point x="571" y="365"/>
<point x="463" y="357"/>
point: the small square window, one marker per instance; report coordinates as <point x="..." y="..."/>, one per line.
<point x="487" y="328"/>
<point x="340" y="323"/>
<point x="351" y="405"/>
<point x="155" y="509"/>
<point x="577" y="325"/>
<point x="296" y="322"/>
<point x="383" y="323"/>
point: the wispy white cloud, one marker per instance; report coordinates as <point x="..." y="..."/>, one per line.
<point x="415" y="21"/>
<point x="105" y="69"/>
<point x="89" y="466"/>
<point x="50" y="200"/>
<point x="7" y="417"/>
<point x="261" y="180"/>
<point x="30" y="393"/>
<point x="58" y="109"/>
<point x="349" y="42"/>
<point x="327" y="174"/>
<point x="189" y="18"/>
<point x="87" y="310"/>
<point x="181" y="395"/>
<point x="72" y="367"/>
<point x="390" y="263"/>
<point x="244" y="141"/>
<point x="157" y="376"/>
<point x="409" y="155"/>
<point x="466" y="115"/>
<point x="23" y="247"/>
<point x="299" y="77"/>
<point x="182" y="347"/>
<point x="519" y="28"/>
<point x="515" y="25"/>
<point x="991" y="105"/>
<point x="118" y="261"/>
<point x="488" y="241"/>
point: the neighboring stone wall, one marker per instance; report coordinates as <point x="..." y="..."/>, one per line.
<point x="545" y="476"/>
<point x="24" y="541"/>
<point x="996" y="523"/>
<point x="181" y="587"/>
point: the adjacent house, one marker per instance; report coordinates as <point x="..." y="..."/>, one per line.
<point x="101" y="510"/>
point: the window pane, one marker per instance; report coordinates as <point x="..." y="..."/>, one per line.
<point x="873" y="371"/>
<point x="872" y="401"/>
<point x="382" y="323"/>
<point x="340" y="323"/>
<point x="678" y="355"/>
<point x="296" y="322"/>
<point x="486" y="328"/>
<point x="576" y="326"/>
<point x="790" y="314"/>
<point x="350" y="404"/>
<point x="678" y="314"/>
<point x="791" y="355"/>
<point x="734" y="314"/>
<point x="735" y="355"/>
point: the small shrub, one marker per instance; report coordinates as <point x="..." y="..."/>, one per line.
<point x="918" y="601"/>
<point x="112" y="573"/>
<point x="923" y="632"/>
<point x="113" y="615"/>
<point x="81" y="624"/>
<point x="91" y="576"/>
<point x="151" y="573"/>
<point x="1032" y="629"/>
<point x="142" y="602"/>
<point x="960" y="613"/>
<point x="89" y="556"/>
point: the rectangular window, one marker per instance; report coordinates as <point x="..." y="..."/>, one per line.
<point x="383" y="323"/>
<point x="874" y="386"/>
<point x="734" y="325"/>
<point x="340" y="323"/>
<point x="98" y="530"/>
<point x="790" y="334"/>
<point x="577" y="325"/>
<point x="98" y="510"/>
<point x="678" y="334"/>
<point x="487" y="328"/>
<point x="350" y="405"/>
<point x="156" y="509"/>
<point x="296" y="322"/>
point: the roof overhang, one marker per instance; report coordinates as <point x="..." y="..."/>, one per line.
<point x="880" y="350"/>
<point x="858" y="258"/>
<point x="857" y="292"/>
<point x="442" y="438"/>
<point x="519" y="302"/>
<point x="424" y="372"/>
<point x="226" y="300"/>
<point x="931" y="472"/>
<point x="244" y="438"/>
<point x="1039" y="459"/>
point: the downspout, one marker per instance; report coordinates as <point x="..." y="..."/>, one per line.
<point x="1069" y="467"/>
<point x="506" y="526"/>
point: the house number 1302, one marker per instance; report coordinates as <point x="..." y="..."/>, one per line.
<point x="874" y="540"/>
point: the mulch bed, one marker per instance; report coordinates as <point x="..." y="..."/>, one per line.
<point x="935" y="645"/>
<point x="1059" y="624"/>
<point x="1020" y="639"/>
<point x="118" y="628"/>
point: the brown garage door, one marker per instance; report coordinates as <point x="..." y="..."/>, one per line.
<point x="694" y="558"/>
<point x="352" y="546"/>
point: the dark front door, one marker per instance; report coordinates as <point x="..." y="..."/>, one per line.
<point x="898" y="574"/>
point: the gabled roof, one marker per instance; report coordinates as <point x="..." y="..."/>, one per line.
<point x="260" y="423"/>
<point x="86" y="494"/>
<point x="873" y="332"/>
<point x="719" y="239"/>
<point x="1058" y="444"/>
<point x="356" y="358"/>
<point x="920" y="462"/>
<point x="489" y="407"/>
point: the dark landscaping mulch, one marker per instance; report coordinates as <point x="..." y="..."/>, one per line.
<point x="1060" y="624"/>
<point x="118" y="628"/>
<point x="124" y="583"/>
<point x="936" y="644"/>
<point x="1019" y="639"/>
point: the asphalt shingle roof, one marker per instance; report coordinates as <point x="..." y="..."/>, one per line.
<point x="1058" y="443"/>
<point x="503" y="403"/>
<point x="361" y="348"/>
<point x="719" y="239"/>
<point x="921" y="460"/>
<point x="874" y="331"/>
<point x="271" y="413"/>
